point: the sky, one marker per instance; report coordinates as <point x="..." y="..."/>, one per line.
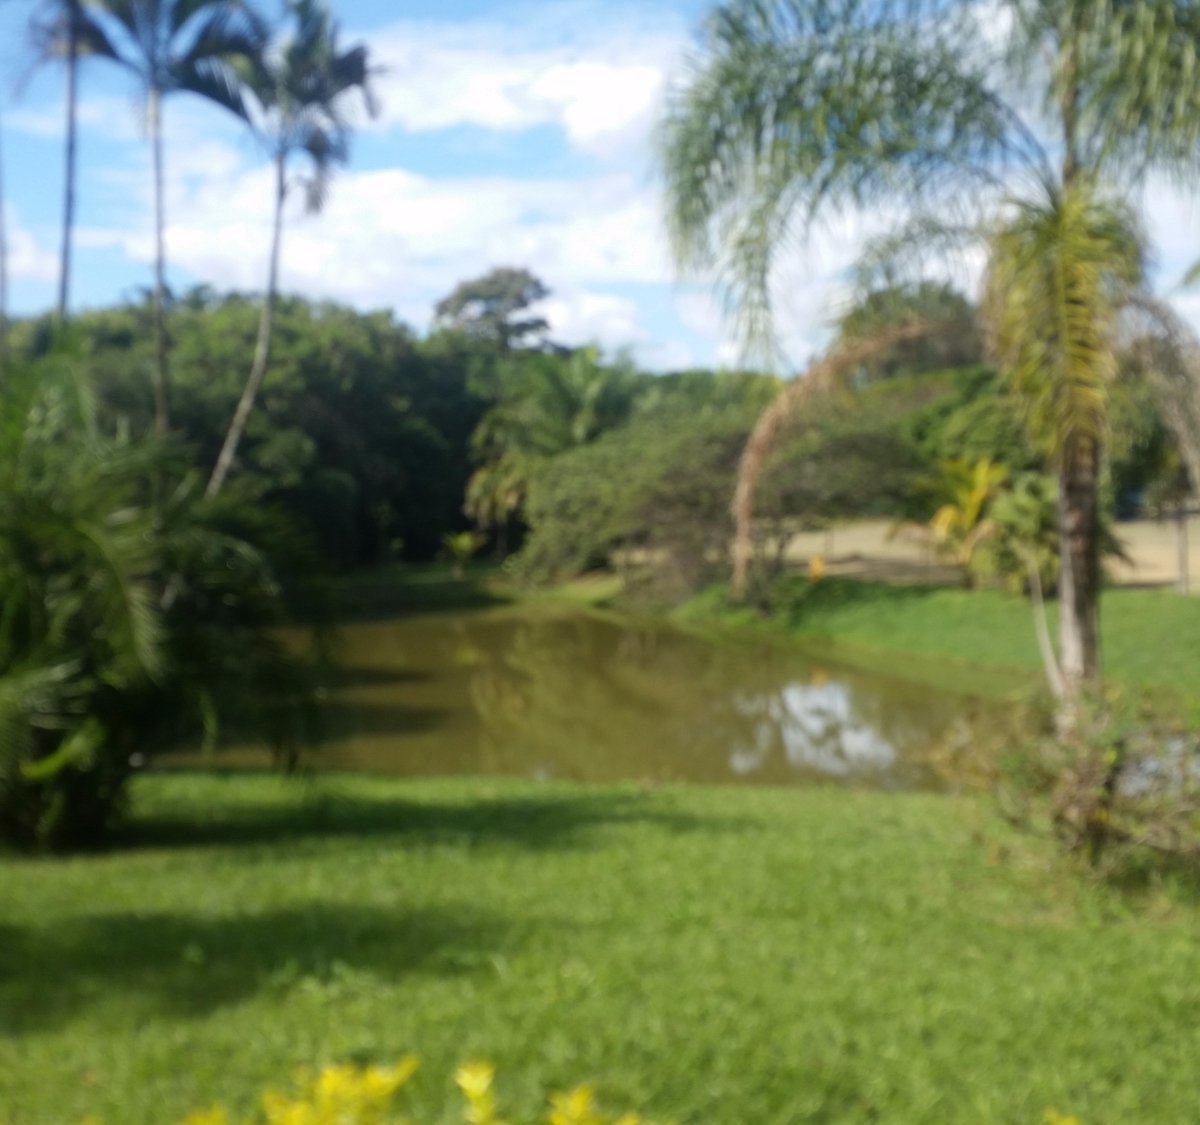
<point x="510" y="134"/>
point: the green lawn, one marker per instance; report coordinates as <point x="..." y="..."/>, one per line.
<point x="1151" y="637"/>
<point x="721" y="956"/>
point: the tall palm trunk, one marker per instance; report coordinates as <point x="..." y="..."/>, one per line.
<point x="262" y="347"/>
<point x="1079" y="469"/>
<point x="3" y="266"/>
<point x="1079" y="548"/>
<point x="68" y="228"/>
<point x="162" y="410"/>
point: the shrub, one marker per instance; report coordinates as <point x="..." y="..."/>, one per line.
<point x="1108" y="787"/>
<point x="136" y="615"/>
<point x="1116" y="789"/>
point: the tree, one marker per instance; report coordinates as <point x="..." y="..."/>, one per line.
<point x="301" y="93"/>
<point x="965" y="491"/>
<point x="60" y="31"/>
<point x="1059" y="275"/>
<point x="203" y="47"/>
<point x="94" y="668"/>
<point x="922" y="300"/>
<point x="794" y="110"/>
<point x="3" y="263"/>
<point x="546" y="404"/>
<point x="490" y="308"/>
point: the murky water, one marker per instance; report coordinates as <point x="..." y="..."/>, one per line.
<point x="562" y="693"/>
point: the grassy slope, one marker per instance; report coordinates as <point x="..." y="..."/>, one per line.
<point x="732" y="956"/>
<point x="1151" y="637"/>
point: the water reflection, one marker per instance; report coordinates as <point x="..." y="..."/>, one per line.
<point x="565" y="694"/>
<point x="814" y="727"/>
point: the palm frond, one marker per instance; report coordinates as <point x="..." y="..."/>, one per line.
<point x="793" y="112"/>
<point x="1060" y="271"/>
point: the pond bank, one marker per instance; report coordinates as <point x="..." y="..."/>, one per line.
<point x="980" y="641"/>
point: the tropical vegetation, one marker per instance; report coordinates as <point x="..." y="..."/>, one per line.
<point x="793" y="111"/>
<point x="138" y="617"/>
<point x="168" y="47"/>
<point x="176" y="553"/>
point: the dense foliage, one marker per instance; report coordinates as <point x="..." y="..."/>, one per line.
<point x="361" y="431"/>
<point x="137" y="616"/>
<point x="381" y="444"/>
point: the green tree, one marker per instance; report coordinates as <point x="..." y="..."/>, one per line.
<point x="545" y="404"/>
<point x="203" y="47"/>
<point x="794" y="110"/>
<point x="1059" y="275"/>
<point x="964" y="492"/>
<point x="921" y="300"/>
<point x="360" y="431"/>
<point x="494" y="309"/>
<point x="301" y="91"/>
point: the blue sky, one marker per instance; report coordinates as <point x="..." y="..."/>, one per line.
<point x="510" y="134"/>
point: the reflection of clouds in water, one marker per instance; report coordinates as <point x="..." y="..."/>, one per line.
<point x="815" y="728"/>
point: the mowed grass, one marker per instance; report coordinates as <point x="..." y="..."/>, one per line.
<point x="1151" y="638"/>
<point x="729" y="956"/>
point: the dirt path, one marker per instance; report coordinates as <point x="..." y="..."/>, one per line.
<point x="868" y="550"/>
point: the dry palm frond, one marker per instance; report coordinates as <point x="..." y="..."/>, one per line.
<point x="821" y="377"/>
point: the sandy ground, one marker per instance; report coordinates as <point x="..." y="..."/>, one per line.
<point x="868" y="550"/>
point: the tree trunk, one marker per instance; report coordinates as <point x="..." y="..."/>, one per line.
<point x="3" y="267"/>
<point x="64" y="267"/>
<point x="1079" y="549"/>
<point x="262" y="347"/>
<point x="162" y="409"/>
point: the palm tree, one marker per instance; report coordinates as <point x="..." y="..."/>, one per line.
<point x="302" y="92"/>
<point x="546" y="404"/>
<point x="61" y="32"/>
<point x="3" y="264"/>
<point x="794" y="110"/>
<point x="203" y="47"/>
<point x="1060" y="272"/>
<point x="961" y="523"/>
<point x="93" y="666"/>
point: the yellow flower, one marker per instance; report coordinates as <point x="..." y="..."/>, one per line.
<point x="475" y="1081"/>
<point x="475" y="1078"/>
<point x="1053" y="1117"/>
<point x="214" y="1116"/>
<point x="575" y="1108"/>
<point x="379" y="1083"/>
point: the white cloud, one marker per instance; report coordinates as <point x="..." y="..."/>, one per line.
<point x="111" y="118"/>
<point x="578" y="316"/>
<point x="392" y="237"/>
<point x="601" y="83"/>
<point x="27" y="260"/>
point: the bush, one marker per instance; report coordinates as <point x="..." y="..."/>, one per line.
<point x="1108" y="788"/>
<point x="137" y="615"/>
<point x="1119" y="790"/>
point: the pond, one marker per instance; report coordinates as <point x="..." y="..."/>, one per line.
<point x="563" y="693"/>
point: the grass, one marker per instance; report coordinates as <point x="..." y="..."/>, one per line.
<point x="984" y="637"/>
<point x="728" y="956"/>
